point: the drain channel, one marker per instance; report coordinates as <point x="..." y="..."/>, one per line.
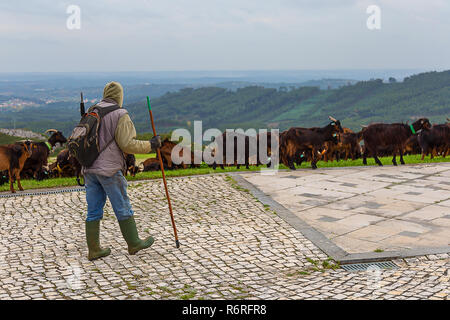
<point x="370" y="265"/>
<point x="37" y="193"/>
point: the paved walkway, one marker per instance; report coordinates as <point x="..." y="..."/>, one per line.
<point x="232" y="247"/>
<point x="367" y="209"/>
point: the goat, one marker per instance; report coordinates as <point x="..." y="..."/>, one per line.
<point x="296" y="141"/>
<point x="390" y="137"/>
<point x="34" y="166"/>
<point x="12" y="158"/>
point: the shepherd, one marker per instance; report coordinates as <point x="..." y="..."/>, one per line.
<point x="105" y="177"/>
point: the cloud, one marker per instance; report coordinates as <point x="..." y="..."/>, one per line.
<point x="213" y="34"/>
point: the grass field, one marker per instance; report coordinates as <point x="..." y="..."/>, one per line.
<point x="204" y="169"/>
<point x="6" y="139"/>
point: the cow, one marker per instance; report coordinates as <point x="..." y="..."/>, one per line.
<point x="392" y="137"/>
<point x="34" y="166"/>
<point x="12" y="158"/>
<point x="435" y="140"/>
<point x="310" y="141"/>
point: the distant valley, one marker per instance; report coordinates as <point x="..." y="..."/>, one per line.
<point x="235" y="103"/>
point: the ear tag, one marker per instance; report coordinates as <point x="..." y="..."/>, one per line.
<point x="301" y="156"/>
<point x="334" y="134"/>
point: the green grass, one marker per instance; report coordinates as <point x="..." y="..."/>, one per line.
<point x="328" y="264"/>
<point x="409" y="159"/>
<point x="142" y="156"/>
<point x="204" y="169"/>
<point x="6" y="139"/>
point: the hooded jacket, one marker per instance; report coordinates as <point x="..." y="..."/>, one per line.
<point x="118" y="127"/>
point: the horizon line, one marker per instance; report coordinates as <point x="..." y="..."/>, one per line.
<point x="225" y="70"/>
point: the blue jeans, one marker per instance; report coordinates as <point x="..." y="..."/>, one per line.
<point x="115" y="187"/>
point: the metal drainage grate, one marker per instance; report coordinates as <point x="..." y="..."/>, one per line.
<point x="370" y="265"/>
<point x="37" y="193"/>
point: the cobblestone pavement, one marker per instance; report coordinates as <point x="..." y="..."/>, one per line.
<point x="232" y="247"/>
<point x="362" y="209"/>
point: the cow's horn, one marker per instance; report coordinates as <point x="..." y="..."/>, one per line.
<point x="51" y="130"/>
<point x="363" y="126"/>
<point x="332" y="119"/>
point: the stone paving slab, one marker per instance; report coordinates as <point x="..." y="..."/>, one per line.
<point x="232" y="247"/>
<point x="367" y="209"/>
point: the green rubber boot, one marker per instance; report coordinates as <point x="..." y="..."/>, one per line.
<point x="93" y="241"/>
<point x="130" y="234"/>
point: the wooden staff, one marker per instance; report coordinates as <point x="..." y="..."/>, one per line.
<point x="177" y="243"/>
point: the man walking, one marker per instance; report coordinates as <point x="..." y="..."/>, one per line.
<point x="105" y="178"/>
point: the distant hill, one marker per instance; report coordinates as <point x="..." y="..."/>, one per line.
<point x="421" y="95"/>
<point x="8" y="136"/>
<point x="7" y="139"/>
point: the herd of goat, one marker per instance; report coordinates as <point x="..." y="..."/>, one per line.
<point x="28" y="160"/>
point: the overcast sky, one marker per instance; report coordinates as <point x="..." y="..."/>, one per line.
<point x="157" y="35"/>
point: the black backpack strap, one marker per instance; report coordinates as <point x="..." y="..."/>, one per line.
<point x="103" y="111"/>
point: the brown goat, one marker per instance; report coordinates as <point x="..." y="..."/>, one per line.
<point x="296" y="141"/>
<point x="130" y="160"/>
<point x="166" y="153"/>
<point x="34" y="166"/>
<point x="12" y="158"/>
<point x="67" y="166"/>
<point x="435" y="140"/>
<point x="393" y="137"/>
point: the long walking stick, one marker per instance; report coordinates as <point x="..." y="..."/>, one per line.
<point x="177" y="242"/>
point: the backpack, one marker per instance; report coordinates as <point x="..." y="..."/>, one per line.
<point x="83" y="143"/>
